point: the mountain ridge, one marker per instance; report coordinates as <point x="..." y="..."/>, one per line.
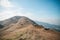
<point x="14" y="19"/>
<point x="23" y="28"/>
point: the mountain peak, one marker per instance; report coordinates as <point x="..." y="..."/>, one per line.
<point x="24" y="20"/>
<point x="17" y="19"/>
<point x="23" y="28"/>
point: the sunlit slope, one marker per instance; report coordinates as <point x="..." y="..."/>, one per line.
<point x="26" y="29"/>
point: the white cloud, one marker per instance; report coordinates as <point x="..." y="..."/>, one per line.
<point x="6" y="14"/>
<point x="5" y="3"/>
<point x="8" y="11"/>
<point x="12" y="10"/>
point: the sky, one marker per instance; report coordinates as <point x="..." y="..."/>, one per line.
<point x="39" y="10"/>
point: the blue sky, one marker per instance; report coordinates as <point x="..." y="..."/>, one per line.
<point x="39" y="10"/>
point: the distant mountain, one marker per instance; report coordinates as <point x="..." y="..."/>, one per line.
<point x="51" y="26"/>
<point x="23" y="28"/>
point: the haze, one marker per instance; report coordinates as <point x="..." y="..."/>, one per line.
<point x="40" y="10"/>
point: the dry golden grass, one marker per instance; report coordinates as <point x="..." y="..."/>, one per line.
<point x="26" y="29"/>
<point x="30" y="33"/>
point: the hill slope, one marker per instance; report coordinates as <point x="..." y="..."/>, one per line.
<point x="22" y="28"/>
